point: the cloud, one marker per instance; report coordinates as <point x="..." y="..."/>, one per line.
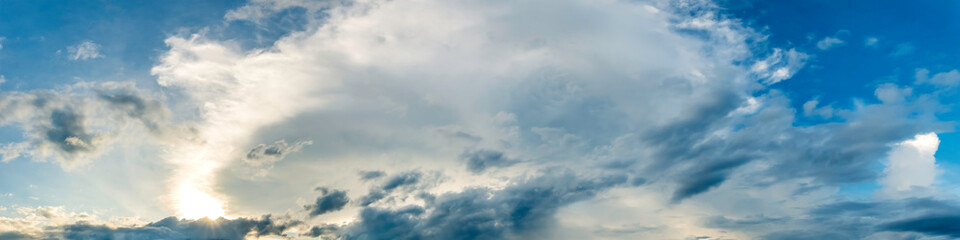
<point x="891" y="93"/>
<point x="779" y="66"/>
<point x="370" y="175"/>
<point x="258" y="10"/>
<point x="173" y="228"/>
<point x="264" y="156"/>
<point x="329" y="200"/>
<point x="829" y="42"/>
<point x="930" y="225"/>
<point x="912" y="164"/>
<point x="810" y="108"/>
<point x="405" y="179"/>
<point x="84" y="51"/>
<point x="903" y="49"/>
<point x="73" y="125"/>
<point x="871" y="42"/>
<point x="589" y="94"/>
<point x="480" y="160"/>
<point x="943" y="79"/>
<point x="522" y="208"/>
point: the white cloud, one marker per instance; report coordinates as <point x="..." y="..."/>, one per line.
<point x="903" y="49"/>
<point x="454" y="65"/>
<point x="911" y="164"/>
<point x="829" y="42"/>
<point x="891" y="93"/>
<point x="810" y="108"/>
<point x="84" y="51"/>
<point x="779" y="66"/>
<point x="1" y="42"/>
<point x="871" y="42"/>
<point x="603" y="88"/>
<point x="944" y="79"/>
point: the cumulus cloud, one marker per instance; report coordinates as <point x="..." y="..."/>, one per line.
<point x="84" y="51"/>
<point x="912" y="163"/>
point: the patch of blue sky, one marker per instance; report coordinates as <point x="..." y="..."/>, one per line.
<point x="853" y="69"/>
<point x="854" y="51"/>
<point x="128" y="36"/>
<point x="883" y="41"/>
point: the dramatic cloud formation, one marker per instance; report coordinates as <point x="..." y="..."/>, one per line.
<point x="543" y="119"/>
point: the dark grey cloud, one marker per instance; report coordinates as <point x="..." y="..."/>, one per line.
<point x="370" y="175"/>
<point x="173" y="228"/>
<point x="480" y="160"/>
<point x="380" y="192"/>
<point x="329" y="201"/>
<point x="690" y="153"/>
<point x="708" y="177"/>
<point x="153" y="114"/>
<point x="934" y="225"/>
<point x="68" y="133"/>
<point x="481" y="213"/>
<point x="14" y="236"/>
<point x="263" y="154"/>
<point x="328" y="231"/>
<point x="402" y="179"/>
<point x="906" y="219"/>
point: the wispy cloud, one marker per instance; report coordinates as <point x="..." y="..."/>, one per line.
<point x="85" y="50"/>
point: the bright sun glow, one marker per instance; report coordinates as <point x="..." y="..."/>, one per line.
<point x="194" y="204"/>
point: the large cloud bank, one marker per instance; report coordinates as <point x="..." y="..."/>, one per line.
<point x="498" y="119"/>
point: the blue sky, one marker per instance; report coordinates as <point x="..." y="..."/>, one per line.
<point x="369" y="119"/>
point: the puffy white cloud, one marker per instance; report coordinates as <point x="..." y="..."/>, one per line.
<point x="892" y="94"/>
<point x="911" y="163"/>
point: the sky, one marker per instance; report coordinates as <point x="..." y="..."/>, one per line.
<point x="428" y="119"/>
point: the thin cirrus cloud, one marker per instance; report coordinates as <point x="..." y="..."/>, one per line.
<point x="496" y="120"/>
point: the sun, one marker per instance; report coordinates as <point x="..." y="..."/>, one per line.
<point x="194" y="204"/>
